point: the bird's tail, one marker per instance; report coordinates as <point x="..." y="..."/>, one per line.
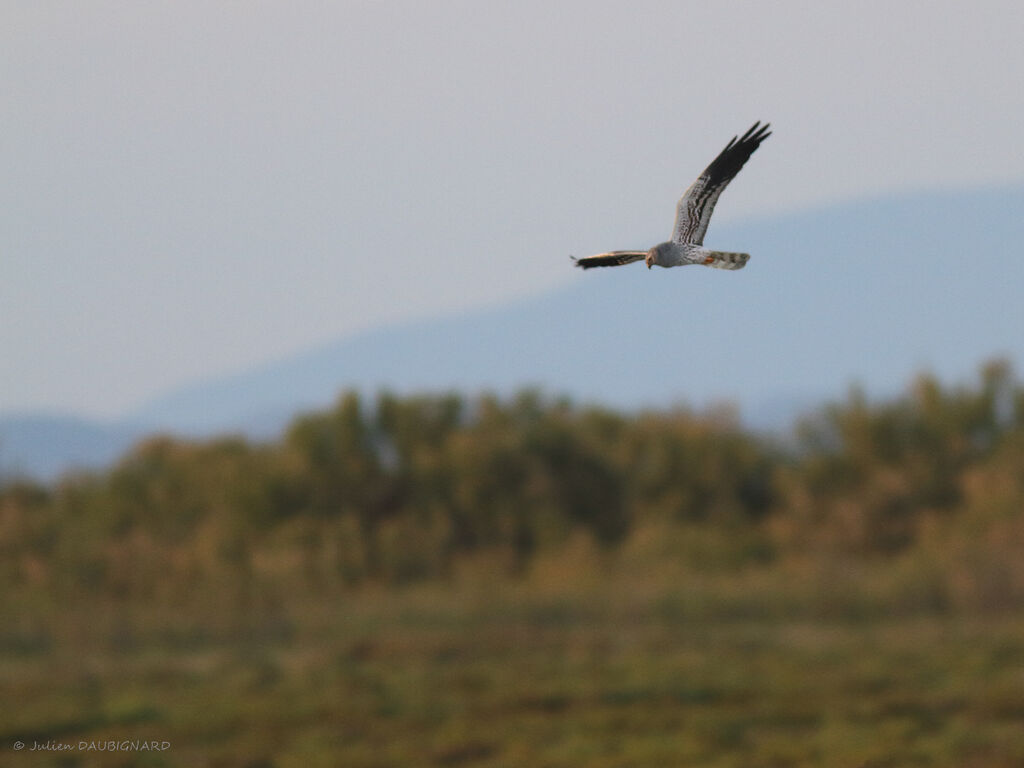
<point x="725" y="260"/>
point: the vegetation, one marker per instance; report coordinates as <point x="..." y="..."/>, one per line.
<point x="443" y="581"/>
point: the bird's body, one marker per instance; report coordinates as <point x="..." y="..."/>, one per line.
<point x="672" y="254"/>
<point x="693" y="214"/>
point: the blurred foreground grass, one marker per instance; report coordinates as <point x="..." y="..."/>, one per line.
<point x="574" y="666"/>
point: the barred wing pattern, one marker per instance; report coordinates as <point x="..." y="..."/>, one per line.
<point x="693" y="214"/>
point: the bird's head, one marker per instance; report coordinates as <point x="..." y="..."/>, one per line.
<point x="652" y="256"/>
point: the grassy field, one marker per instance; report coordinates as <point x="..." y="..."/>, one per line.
<point x="605" y="672"/>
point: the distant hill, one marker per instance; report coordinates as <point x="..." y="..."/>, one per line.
<point x="46" y="446"/>
<point x="869" y="292"/>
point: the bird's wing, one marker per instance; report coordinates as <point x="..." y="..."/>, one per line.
<point x="610" y="259"/>
<point x="698" y="202"/>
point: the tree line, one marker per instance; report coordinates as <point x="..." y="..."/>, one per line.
<point x="396" y="489"/>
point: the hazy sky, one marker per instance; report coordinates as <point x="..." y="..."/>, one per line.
<point x="190" y="188"/>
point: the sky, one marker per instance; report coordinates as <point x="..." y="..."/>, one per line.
<point x="193" y="188"/>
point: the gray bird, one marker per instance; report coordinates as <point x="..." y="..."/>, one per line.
<point x="693" y="215"/>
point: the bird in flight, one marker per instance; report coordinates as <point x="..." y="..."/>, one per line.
<point x="693" y="215"/>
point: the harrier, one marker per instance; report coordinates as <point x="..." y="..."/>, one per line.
<point x="693" y="215"/>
